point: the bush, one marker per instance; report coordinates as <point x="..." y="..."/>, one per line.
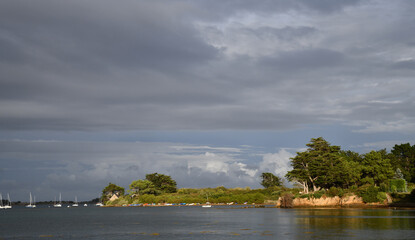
<point x="276" y="194"/>
<point x="147" y="198"/>
<point x="372" y="195"/>
<point x="187" y="191"/>
<point x="381" y="196"/>
<point x="333" y="191"/>
<point x="304" y="196"/>
<point x="319" y="194"/>
<point x="384" y="187"/>
<point x="398" y="185"/>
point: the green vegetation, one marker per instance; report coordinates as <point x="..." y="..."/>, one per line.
<point x="322" y="170"/>
<point x="199" y="196"/>
<point x="270" y="180"/>
<point x="371" y="194"/>
<point x="162" y="182"/>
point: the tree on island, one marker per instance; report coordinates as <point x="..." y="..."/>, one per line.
<point x="270" y="180"/>
<point x="162" y="182"/>
<point x="154" y="184"/>
<point x="140" y="187"/>
<point x="376" y="168"/>
<point x="403" y="157"/>
<point x="319" y="166"/>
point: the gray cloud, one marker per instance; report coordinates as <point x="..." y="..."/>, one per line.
<point x="309" y="59"/>
<point x="73" y="68"/>
<point x="163" y="65"/>
<point x="83" y="168"/>
<point x="405" y="64"/>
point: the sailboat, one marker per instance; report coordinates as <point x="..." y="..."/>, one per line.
<point x="31" y="205"/>
<point x="1" y="202"/>
<point x="9" y="204"/>
<point x="76" y="202"/>
<point x="207" y="205"/>
<point x="99" y="203"/>
<point x="60" y="201"/>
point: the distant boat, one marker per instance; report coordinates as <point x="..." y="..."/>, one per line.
<point x="1" y="202"/>
<point x="207" y="205"/>
<point x="9" y="204"/>
<point x="76" y="202"/>
<point x="99" y="204"/>
<point x="60" y="201"/>
<point x="85" y="205"/>
<point x="31" y="205"/>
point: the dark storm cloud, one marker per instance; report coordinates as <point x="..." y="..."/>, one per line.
<point x="78" y="65"/>
<point x="222" y="9"/>
<point x="76" y="33"/>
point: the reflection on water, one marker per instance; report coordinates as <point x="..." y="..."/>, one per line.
<point x="201" y="223"/>
<point x="356" y="223"/>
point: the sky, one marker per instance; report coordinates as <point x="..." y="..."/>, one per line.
<point x="209" y="92"/>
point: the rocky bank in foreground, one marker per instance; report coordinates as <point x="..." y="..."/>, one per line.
<point x="324" y="201"/>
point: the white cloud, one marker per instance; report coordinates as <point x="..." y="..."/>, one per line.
<point x="277" y="163"/>
<point x="84" y="168"/>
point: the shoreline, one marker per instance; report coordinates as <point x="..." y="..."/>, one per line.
<point x="243" y="206"/>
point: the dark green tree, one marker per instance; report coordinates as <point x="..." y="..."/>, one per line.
<point x="140" y="187"/>
<point x="319" y="166"/>
<point x="376" y="168"/>
<point x="270" y="180"/>
<point x="162" y="182"/>
<point x="352" y="168"/>
<point x="404" y="158"/>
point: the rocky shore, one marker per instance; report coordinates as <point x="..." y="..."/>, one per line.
<point x="324" y="201"/>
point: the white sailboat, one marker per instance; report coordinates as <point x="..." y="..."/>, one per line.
<point x="31" y="205"/>
<point x="99" y="204"/>
<point x="60" y="201"/>
<point x="207" y="205"/>
<point x="76" y="202"/>
<point x="1" y="202"/>
<point x="9" y="204"/>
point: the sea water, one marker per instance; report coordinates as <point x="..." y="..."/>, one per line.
<point x="195" y="222"/>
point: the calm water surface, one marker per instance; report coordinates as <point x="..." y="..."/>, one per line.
<point x="205" y="223"/>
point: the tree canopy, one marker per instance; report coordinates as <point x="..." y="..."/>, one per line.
<point x="270" y="180"/>
<point x="326" y="166"/>
<point x="319" y="166"/>
<point x="403" y="157"/>
<point x="139" y="187"/>
<point x="376" y="168"/>
<point x="162" y="182"/>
